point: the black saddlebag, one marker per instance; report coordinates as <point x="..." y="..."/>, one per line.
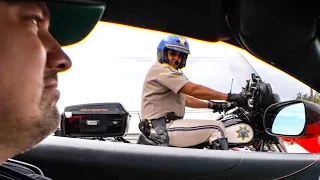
<point x="95" y="120"/>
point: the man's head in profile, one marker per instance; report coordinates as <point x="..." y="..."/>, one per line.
<point x="31" y="36"/>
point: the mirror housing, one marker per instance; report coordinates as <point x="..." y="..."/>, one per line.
<point x="295" y="118"/>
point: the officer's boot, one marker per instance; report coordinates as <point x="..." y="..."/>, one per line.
<point x="220" y="144"/>
<point x="224" y="144"/>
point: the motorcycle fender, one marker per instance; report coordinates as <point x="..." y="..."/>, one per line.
<point x="239" y="133"/>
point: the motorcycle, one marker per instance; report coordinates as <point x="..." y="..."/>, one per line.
<point x="244" y="125"/>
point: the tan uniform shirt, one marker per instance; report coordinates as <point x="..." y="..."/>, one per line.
<point x="160" y="93"/>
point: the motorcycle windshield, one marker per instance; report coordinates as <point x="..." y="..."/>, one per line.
<point x="241" y="70"/>
<point x="220" y="72"/>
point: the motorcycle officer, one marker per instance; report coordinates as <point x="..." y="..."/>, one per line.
<point x="166" y="93"/>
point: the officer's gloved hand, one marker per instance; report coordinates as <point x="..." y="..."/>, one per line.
<point x="241" y="100"/>
<point x="216" y="106"/>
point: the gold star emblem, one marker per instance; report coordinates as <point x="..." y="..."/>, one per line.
<point x="182" y="41"/>
<point x="243" y="132"/>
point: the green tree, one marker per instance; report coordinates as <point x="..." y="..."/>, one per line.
<point x="314" y="96"/>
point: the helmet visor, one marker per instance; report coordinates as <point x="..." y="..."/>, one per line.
<point x="177" y="48"/>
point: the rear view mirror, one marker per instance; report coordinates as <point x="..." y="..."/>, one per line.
<point x="293" y="119"/>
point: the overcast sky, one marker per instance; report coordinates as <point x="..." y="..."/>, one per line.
<point x="110" y="65"/>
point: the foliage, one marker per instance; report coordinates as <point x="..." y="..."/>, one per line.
<point x="313" y="96"/>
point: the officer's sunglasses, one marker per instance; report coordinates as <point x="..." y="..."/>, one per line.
<point x="175" y="53"/>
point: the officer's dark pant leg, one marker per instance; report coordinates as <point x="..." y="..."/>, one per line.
<point x="185" y="133"/>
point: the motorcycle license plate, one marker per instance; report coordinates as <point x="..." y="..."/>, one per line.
<point x="92" y="122"/>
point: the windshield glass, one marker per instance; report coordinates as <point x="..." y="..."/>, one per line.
<point x="111" y="63"/>
<point x="228" y="72"/>
<point x="217" y="73"/>
<point x="241" y="69"/>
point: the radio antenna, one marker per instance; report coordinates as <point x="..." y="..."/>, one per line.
<point x="231" y="86"/>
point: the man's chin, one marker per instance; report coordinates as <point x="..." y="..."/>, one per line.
<point x="36" y="131"/>
<point x="53" y="93"/>
<point x="50" y="117"/>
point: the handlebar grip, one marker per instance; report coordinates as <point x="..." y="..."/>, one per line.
<point x="234" y="104"/>
<point x="230" y="105"/>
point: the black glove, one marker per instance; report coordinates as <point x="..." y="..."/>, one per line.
<point x="216" y="106"/>
<point x="241" y="100"/>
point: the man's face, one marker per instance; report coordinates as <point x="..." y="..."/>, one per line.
<point x="30" y="59"/>
<point x="175" y="58"/>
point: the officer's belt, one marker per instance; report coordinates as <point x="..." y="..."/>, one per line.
<point x="162" y="121"/>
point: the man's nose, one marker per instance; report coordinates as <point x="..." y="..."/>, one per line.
<point x="57" y="59"/>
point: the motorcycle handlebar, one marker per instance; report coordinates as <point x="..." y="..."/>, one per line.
<point x="230" y="105"/>
<point x="226" y="106"/>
